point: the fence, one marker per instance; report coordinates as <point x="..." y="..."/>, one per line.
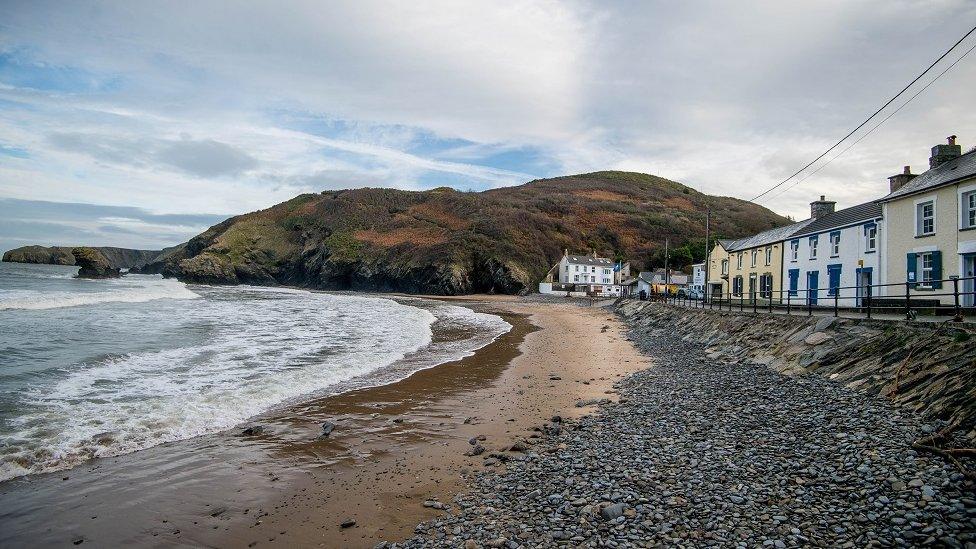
<point x="954" y="297"/>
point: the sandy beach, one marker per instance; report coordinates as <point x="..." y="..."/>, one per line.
<point x="394" y="447"/>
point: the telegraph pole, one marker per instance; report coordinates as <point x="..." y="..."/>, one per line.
<point x="667" y="273"/>
<point x="708" y="253"/>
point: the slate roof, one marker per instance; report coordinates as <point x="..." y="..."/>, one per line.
<point x="958" y="168"/>
<point x="768" y="237"/>
<point x="842" y="218"/>
<point x="585" y="259"/>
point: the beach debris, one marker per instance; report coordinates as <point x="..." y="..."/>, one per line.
<point x="468" y="420"/>
<point x="348" y="523"/>
<point x="556" y="419"/>
<point x="554" y="378"/>
<point x="398" y="420"/>
<point x="327" y="428"/>
<point x="474" y="440"/>
<point x="434" y="504"/>
<point x="78" y="541"/>
<point x="477" y="450"/>
<point x="252" y="430"/>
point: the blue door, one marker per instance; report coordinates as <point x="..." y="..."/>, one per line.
<point x="813" y="278"/>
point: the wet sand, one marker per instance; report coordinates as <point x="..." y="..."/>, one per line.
<point x="394" y="447"/>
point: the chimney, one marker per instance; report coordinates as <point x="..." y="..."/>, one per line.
<point x="944" y="153"/>
<point x="898" y="181"/>
<point x="820" y="208"/>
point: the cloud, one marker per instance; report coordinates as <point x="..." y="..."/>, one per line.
<point x="25" y="222"/>
<point x="229" y="107"/>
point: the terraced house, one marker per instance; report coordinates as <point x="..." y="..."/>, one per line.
<point x="756" y="264"/>
<point x="717" y="272"/>
<point x="835" y="259"/>
<point x="931" y="226"/>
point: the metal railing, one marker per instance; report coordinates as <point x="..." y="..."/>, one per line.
<point x="954" y="297"/>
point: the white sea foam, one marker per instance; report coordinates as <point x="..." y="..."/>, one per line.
<point x="148" y="289"/>
<point x="256" y="350"/>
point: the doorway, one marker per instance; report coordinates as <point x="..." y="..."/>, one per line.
<point x="969" y="285"/>
<point x="864" y="282"/>
<point x="813" y="278"/>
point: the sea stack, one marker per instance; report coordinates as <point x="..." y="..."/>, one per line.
<point x="93" y="264"/>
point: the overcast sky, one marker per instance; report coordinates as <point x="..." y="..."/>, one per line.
<point x="165" y="117"/>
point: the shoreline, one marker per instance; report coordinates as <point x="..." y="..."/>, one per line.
<point x="394" y="447"/>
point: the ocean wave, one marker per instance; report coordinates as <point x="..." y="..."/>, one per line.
<point x="162" y="289"/>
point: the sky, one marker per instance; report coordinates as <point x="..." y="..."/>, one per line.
<point x="140" y="124"/>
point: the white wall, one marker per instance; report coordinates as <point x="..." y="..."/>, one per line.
<point x="852" y="251"/>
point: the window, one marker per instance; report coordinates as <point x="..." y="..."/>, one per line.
<point x="794" y="250"/>
<point x="577" y="268"/>
<point x="737" y="285"/>
<point x="754" y="254"/>
<point x="606" y="271"/>
<point x="925" y="266"/>
<point x="567" y="268"/>
<point x="769" y="256"/>
<point x="592" y="279"/>
<point x="766" y="286"/>
<point x="813" y="247"/>
<point x="870" y="238"/>
<point x="925" y="218"/>
<point x="969" y="210"/>
<point x="592" y="269"/>
<point x="575" y="278"/>
<point x="738" y="260"/>
<point x="606" y="281"/>
<point x="725" y="266"/>
<point x="835" y="244"/>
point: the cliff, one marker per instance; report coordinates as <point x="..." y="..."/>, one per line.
<point x="117" y="258"/>
<point x="93" y="264"/>
<point x="447" y="242"/>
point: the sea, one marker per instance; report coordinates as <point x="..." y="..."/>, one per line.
<point x="100" y="368"/>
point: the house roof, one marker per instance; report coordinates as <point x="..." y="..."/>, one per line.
<point x="584" y="259"/>
<point x="768" y="237"/>
<point x="842" y="218"/>
<point x="958" y="168"/>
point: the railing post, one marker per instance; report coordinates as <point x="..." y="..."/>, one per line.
<point x="836" y="299"/>
<point x="869" y="298"/>
<point x="810" y="301"/>
<point x="789" y="303"/>
<point x="957" y="317"/>
<point x="771" y="301"/>
<point x="908" y="300"/>
<point x="742" y="297"/>
<point x="755" y="301"/>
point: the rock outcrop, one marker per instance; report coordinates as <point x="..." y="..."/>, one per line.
<point x="93" y="264"/>
<point x="928" y="367"/>
<point x="119" y="258"/>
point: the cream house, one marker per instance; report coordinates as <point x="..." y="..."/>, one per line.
<point x="756" y="262"/>
<point x="930" y="223"/>
<point x="717" y="273"/>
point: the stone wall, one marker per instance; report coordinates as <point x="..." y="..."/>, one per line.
<point x="928" y="367"/>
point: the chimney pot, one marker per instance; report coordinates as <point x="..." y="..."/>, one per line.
<point x="908" y="170"/>
<point x="951" y="139"/>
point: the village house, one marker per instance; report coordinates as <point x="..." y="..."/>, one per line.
<point x="587" y="274"/>
<point x="698" y="277"/>
<point x="756" y="262"/>
<point x="931" y="226"/>
<point x="717" y="274"/>
<point x="838" y="249"/>
<point x="658" y="280"/>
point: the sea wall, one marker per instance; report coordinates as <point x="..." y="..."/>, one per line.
<point x="928" y="367"/>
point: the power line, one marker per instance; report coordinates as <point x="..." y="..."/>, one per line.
<point x="876" y="126"/>
<point x="868" y="119"/>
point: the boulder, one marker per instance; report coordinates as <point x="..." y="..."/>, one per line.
<point x="816" y="338"/>
<point x="93" y="264"/>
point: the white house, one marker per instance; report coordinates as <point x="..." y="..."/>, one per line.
<point x="698" y="276"/>
<point x="835" y="255"/>
<point x="586" y="273"/>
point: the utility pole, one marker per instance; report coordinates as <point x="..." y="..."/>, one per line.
<point x="708" y="253"/>
<point x="667" y="273"/>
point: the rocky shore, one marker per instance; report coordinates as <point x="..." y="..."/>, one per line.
<point x="704" y="450"/>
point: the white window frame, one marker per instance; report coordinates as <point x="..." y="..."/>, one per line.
<point x="814" y="243"/>
<point x="752" y="260"/>
<point x="920" y="221"/>
<point x="725" y="266"/>
<point x="769" y="255"/>
<point x="794" y="250"/>
<point x="924" y="273"/>
<point x="871" y="240"/>
<point x="835" y="244"/>
<point x="738" y="260"/>
<point x="575" y="278"/>
<point x="967" y="207"/>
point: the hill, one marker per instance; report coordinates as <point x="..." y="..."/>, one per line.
<point x="447" y="242"/>
<point x="118" y="258"/>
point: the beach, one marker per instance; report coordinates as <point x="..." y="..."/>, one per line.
<point x="394" y="447"/>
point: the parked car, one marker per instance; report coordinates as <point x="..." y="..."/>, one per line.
<point x="690" y="293"/>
